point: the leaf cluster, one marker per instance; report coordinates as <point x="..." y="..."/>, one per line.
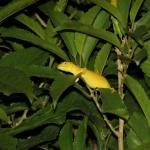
<point x="43" y="108"/>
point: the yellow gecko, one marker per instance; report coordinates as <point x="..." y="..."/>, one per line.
<point x="91" y="78"/>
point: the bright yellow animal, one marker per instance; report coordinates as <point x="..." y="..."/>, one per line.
<point x="91" y="78"/>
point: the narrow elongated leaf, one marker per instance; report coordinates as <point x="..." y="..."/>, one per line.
<point x="7" y="142"/>
<point x="88" y="18"/>
<point x="24" y="56"/>
<point x="101" y="22"/>
<point x="60" y="85"/>
<point x="39" y="71"/>
<point x="145" y="65"/>
<point x="139" y="56"/>
<point x="79" y="141"/>
<point x="144" y="146"/>
<point x="112" y="103"/>
<point x="16" y="46"/>
<point x="3" y="115"/>
<point x="15" y="81"/>
<point x="20" y="106"/>
<point x="140" y="96"/>
<point x="142" y="26"/>
<point x="140" y="126"/>
<point x="111" y="9"/>
<point x="96" y="132"/>
<point x="147" y="4"/>
<point x="32" y="24"/>
<point x="13" y="7"/>
<point x="99" y="33"/>
<point x="134" y="9"/>
<point x="60" y="5"/>
<point x="65" y="137"/>
<point x="124" y="7"/>
<point x="46" y="135"/>
<point x="132" y="140"/>
<point x="47" y="7"/>
<point x="58" y="18"/>
<point x="101" y="58"/>
<point x="30" y="37"/>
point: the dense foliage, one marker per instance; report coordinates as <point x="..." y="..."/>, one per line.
<point x="44" y="108"/>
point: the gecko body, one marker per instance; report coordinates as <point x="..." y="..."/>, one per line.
<point x="91" y="78"/>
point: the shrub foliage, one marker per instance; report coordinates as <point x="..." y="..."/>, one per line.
<point x="44" y="108"/>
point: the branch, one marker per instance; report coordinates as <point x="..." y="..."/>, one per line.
<point x="104" y="116"/>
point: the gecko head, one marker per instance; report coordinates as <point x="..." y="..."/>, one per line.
<point x="66" y="66"/>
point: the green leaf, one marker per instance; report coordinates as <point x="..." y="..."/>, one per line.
<point x="79" y="141"/>
<point x="60" y="5"/>
<point x="140" y="95"/>
<point x="13" y="7"/>
<point x="58" y="18"/>
<point x="27" y="36"/>
<point x="131" y="103"/>
<point x="146" y="4"/>
<point x="16" y="46"/>
<point x="42" y="117"/>
<point x="99" y="33"/>
<point x="59" y="86"/>
<point x="96" y="131"/>
<point x="16" y="107"/>
<point x="88" y="18"/>
<point x="39" y="71"/>
<point x="111" y="68"/>
<point x="97" y="19"/>
<point x="46" y="135"/>
<point x="139" y="56"/>
<point x="101" y="58"/>
<point x="47" y="7"/>
<point x="124" y="7"/>
<point x="112" y="103"/>
<point x="31" y="24"/>
<point x="24" y="56"/>
<point x="75" y="101"/>
<point x="145" y="65"/>
<point x="142" y="26"/>
<point x="140" y="126"/>
<point x="15" y="81"/>
<point x="7" y="142"/>
<point x="134" y="9"/>
<point x="101" y="22"/>
<point x="65" y="137"/>
<point x="132" y="140"/>
<point x="3" y="116"/>
<point x="111" y="9"/>
<point x="144" y="146"/>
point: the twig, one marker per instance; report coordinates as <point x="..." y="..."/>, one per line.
<point x="41" y="21"/>
<point x="120" y="135"/>
<point x="120" y="91"/>
<point x="24" y="116"/>
<point x="104" y="116"/>
<point x="73" y="14"/>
